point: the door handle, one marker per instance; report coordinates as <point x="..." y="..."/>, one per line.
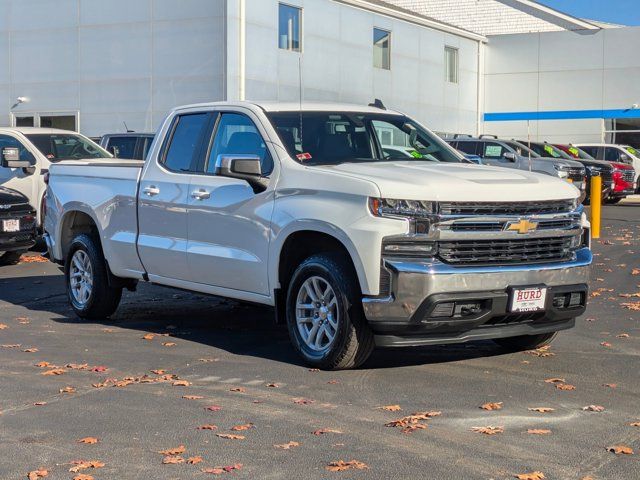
<point x="201" y="195"/>
<point x="151" y="191"/>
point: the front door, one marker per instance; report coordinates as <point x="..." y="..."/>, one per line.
<point x="164" y="197"/>
<point x="229" y="222"/>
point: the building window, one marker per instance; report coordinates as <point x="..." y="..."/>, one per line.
<point x="290" y="28"/>
<point x="381" y="49"/>
<point x="451" y="64"/>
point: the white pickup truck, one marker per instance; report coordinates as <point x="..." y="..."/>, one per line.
<point x="309" y="210"/>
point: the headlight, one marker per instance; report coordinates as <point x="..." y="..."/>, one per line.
<point x="562" y="170"/>
<point x="386" y="207"/>
<point x="408" y="248"/>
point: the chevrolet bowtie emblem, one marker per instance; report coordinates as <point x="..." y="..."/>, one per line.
<point x="523" y="226"/>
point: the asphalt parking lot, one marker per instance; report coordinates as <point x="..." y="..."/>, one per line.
<point x="170" y="363"/>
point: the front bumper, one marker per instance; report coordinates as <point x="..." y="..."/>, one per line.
<point x="17" y="241"/>
<point x="406" y="317"/>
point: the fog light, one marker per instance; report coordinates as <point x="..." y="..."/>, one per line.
<point x="559" y="301"/>
<point x="443" y="310"/>
<point x="576" y="299"/>
<point x="467" y="309"/>
<point x="409" y="249"/>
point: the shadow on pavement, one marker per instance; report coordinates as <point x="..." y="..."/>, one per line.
<point x="240" y="329"/>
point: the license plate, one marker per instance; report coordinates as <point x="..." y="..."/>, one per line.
<point x="11" y="225"/>
<point x="528" y="299"/>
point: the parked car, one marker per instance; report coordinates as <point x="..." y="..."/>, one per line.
<point x="26" y="153"/>
<point x="624" y="184"/>
<point x="17" y="226"/>
<point x="304" y="210"/>
<point x="127" y="145"/>
<point x="594" y="167"/>
<point x="616" y="154"/>
<point x="511" y="154"/>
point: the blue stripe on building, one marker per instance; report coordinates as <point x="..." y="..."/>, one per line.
<point x="562" y="115"/>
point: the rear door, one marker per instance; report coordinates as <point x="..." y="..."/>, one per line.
<point x="164" y="197"/>
<point x="229" y="223"/>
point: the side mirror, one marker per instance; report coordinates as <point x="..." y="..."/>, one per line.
<point x="11" y="158"/>
<point x="242" y="167"/>
<point x="510" y="156"/>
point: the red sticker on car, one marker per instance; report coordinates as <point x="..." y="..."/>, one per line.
<point x="303" y="156"/>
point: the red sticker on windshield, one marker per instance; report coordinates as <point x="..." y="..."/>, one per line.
<point x="303" y="156"/>
<point x="51" y="155"/>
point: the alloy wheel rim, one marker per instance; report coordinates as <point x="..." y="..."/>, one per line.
<point x="81" y="277"/>
<point x="317" y="315"/>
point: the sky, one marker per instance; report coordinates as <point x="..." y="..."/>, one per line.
<point x="625" y="12"/>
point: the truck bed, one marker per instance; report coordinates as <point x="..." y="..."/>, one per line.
<point x="108" y="190"/>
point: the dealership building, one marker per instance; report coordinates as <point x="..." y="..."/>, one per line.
<point x="506" y="67"/>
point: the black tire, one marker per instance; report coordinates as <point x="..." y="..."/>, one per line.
<point x="353" y="342"/>
<point x="10" y="258"/>
<point x="103" y="299"/>
<point x="612" y="201"/>
<point x="526" y="342"/>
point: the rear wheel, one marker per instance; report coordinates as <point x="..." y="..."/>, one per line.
<point x="10" y="258"/>
<point x="87" y="280"/>
<point x="326" y="322"/>
<point x="526" y="342"/>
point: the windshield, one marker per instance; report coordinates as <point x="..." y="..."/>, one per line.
<point x="57" y="147"/>
<point x="328" y="138"/>
<point x="522" y="150"/>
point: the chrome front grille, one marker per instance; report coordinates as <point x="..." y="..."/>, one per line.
<point x="628" y="175"/>
<point x="576" y="173"/>
<point x="499" y="226"/>
<point x="506" y="252"/>
<point x="506" y="208"/>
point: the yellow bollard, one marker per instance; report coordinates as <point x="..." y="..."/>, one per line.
<point x="596" y="205"/>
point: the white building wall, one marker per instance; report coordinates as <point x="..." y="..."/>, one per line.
<point x="561" y="71"/>
<point x="113" y="61"/>
<point x="338" y="66"/>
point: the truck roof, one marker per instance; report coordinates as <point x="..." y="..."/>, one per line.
<point x="294" y="107"/>
<point x="36" y="130"/>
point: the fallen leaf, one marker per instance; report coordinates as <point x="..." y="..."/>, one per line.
<point x="635" y="424"/>
<point x="35" y="474"/>
<point x="173" y="451"/>
<point x="610" y="385"/>
<point x="605" y="344"/>
<point x="241" y="428"/>
<point x="83" y="476"/>
<point x="322" y="431"/>
<point x="555" y="380"/>
<point x="40" y="404"/>
<point x="541" y="352"/>
<point x="303" y="401"/>
<point x="593" y="408"/>
<point x="55" y="371"/>
<point x="410" y="423"/>
<point x="181" y="383"/>
<point x="541" y="409"/>
<point x="67" y="390"/>
<point x="194" y="460"/>
<point x="88" y="440"/>
<point x="23" y="320"/>
<point x="488" y="430"/>
<point x="492" y="406"/>
<point x="158" y="372"/>
<point x="620" y="450"/>
<point x="221" y="470"/>
<point x="538" y="431"/>
<point x="622" y="335"/>
<point x="172" y="460"/>
<point x="192" y="397"/>
<point x="287" y="446"/>
<point x="341" y="465"/>
<point x="42" y="364"/>
<point x="237" y="389"/>
<point x="565" y="386"/>
<point x="213" y="408"/>
<point x="99" y="369"/>
<point x="169" y="344"/>
<point x="149" y="336"/>
<point x="531" y="476"/>
<point x="635" y="271"/>
<point x="391" y="408"/>
<point x="207" y="427"/>
<point x="230" y="436"/>
<point x="30" y="350"/>
<point x="3" y="326"/>
<point x="273" y="385"/>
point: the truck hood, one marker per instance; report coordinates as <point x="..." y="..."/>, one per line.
<point x="11" y="197"/>
<point x="456" y="182"/>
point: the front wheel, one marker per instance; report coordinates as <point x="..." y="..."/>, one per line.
<point x="326" y="322"/>
<point x="612" y="200"/>
<point x="526" y="342"/>
<point x="87" y="280"/>
<point x="10" y="258"/>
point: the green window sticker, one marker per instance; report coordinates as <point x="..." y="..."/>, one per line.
<point x="415" y="154"/>
<point x="574" y="151"/>
<point x="632" y="151"/>
<point x="552" y="153"/>
<point x="494" y="151"/>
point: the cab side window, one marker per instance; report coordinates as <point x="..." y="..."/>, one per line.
<point x="236" y="134"/>
<point x="468" y="147"/>
<point x="611" y="154"/>
<point x="122" y="147"/>
<point x="181" y="154"/>
<point x="9" y="142"/>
